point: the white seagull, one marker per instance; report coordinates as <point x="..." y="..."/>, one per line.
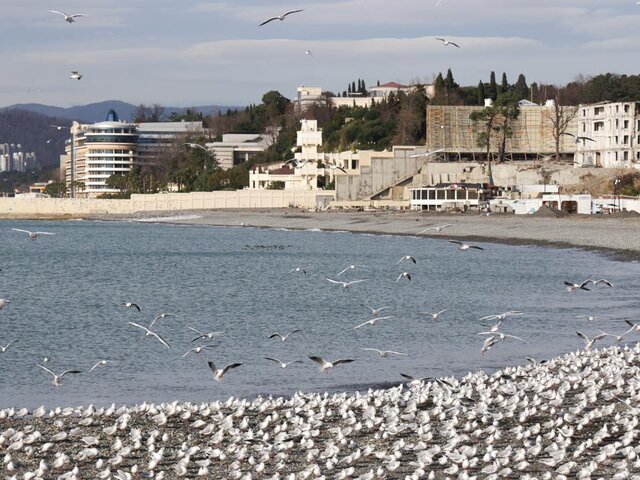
<point x="298" y="270"/>
<point x="283" y="337"/>
<point x="404" y="274"/>
<point x="447" y="42"/>
<point x="578" y="138"/>
<point x="196" y="145"/>
<point x="433" y="315"/>
<point x="572" y="287"/>
<point x="345" y="285"/>
<point x="374" y="311"/>
<point x="406" y="257"/>
<point x="280" y="17"/>
<point x="602" y="280"/>
<point x="437" y="229"/>
<point x="68" y="18"/>
<point x="465" y="246"/>
<point x="281" y="363"/>
<point x="502" y="316"/>
<point x="59" y="127"/>
<point x="75" y="75"/>
<point x="101" y="363"/>
<point x="372" y="321"/>
<point x="589" y="318"/>
<point x="297" y="163"/>
<point x="218" y="373"/>
<point x="32" y="235"/>
<point x="325" y="365"/>
<point x="207" y="335"/>
<point x="198" y="349"/>
<point x="308" y="52"/>
<point x="162" y="316"/>
<point x="149" y="333"/>
<point x="4" y="349"/>
<point x="426" y="154"/>
<point x="131" y="305"/>
<point x="351" y="267"/>
<point x="4" y="303"/>
<point x="501" y="336"/>
<point x="57" y="379"/>
<point x="589" y="342"/>
<point x="383" y="353"/>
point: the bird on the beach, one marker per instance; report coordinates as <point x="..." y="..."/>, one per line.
<point x="383" y="353"/>
<point x="162" y="316"/>
<point x="283" y="337"/>
<point x="3" y="303"/>
<point x="572" y="287"/>
<point x="207" y="335"/>
<point x="465" y="246"/>
<point x="131" y="305"/>
<point x="100" y="363"/>
<point x="57" y="379"/>
<point x="374" y="311"/>
<point x="415" y="381"/>
<point x="345" y="285"/>
<point x="406" y="275"/>
<point x="437" y="229"/>
<point x="589" y="342"/>
<point x="218" y="373"/>
<point x="371" y="321"/>
<point x="149" y="333"/>
<point x="298" y="270"/>
<point x="350" y="267"/>
<point x="198" y="349"/>
<point x="325" y="365"/>
<point x="280" y="17"/>
<point x="447" y="42"/>
<point x="534" y="362"/>
<point x="434" y="315"/>
<point x="5" y="348"/>
<point x="281" y="363"/>
<point x="68" y="18"/>
<point x="75" y="75"/>
<point x="578" y="138"/>
<point x="406" y="257"/>
<point x="32" y="235"/>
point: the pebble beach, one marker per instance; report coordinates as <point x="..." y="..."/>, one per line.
<point x="574" y="416"/>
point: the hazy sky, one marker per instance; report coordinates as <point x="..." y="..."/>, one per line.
<point x="191" y="52"/>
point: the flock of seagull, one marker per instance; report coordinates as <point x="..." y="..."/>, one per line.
<point x="570" y="417"/>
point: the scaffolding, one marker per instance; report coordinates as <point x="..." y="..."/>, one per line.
<point x="450" y="129"/>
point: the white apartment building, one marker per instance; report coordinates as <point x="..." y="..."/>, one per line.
<point x="237" y="148"/>
<point x="614" y="130"/>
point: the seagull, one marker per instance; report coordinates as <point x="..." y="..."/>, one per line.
<point x="579" y="138"/>
<point x="465" y="246"/>
<point x="297" y="270"/>
<point x="634" y="326"/>
<point x="488" y="343"/>
<point x="99" y="364"/>
<point x="534" y="362"/>
<point x="571" y="287"/>
<point x="333" y="166"/>
<point x="325" y="366"/>
<point x="383" y="353"/>
<point x="374" y="311"/>
<point x="162" y="316"/>
<point x="501" y="336"/>
<point x="281" y="363"/>
<point x="426" y="154"/>
<point x="502" y="316"/>
<point x="437" y="229"/>
<point x="617" y="337"/>
<point x="131" y="305"/>
<point x="345" y="285"/>
<point x="403" y="274"/>
<point x="413" y="381"/>
<point x="308" y="52"/>
<point x="32" y="235"/>
<point x="351" y="267"/>
<point x="447" y="42"/>
<point x="218" y="373"/>
<point x="68" y="18"/>
<point x="149" y="333"/>
<point x="3" y="303"/>
<point x="406" y="257"/>
<point x="208" y="335"/>
<point x="4" y="349"/>
<point x="372" y="321"/>
<point x="283" y="337"/>
<point x="596" y="282"/>
<point x="589" y="343"/>
<point x="433" y="315"/>
<point x="196" y="145"/>
<point x="280" y="17"/>
<point x="297" y="163"/>
<point x="57" y="379"/>
<point x="198" y="349"/>
<point x="590" y="318"/>
<point x="75" y="75"/>
<point x="59" y="127"/>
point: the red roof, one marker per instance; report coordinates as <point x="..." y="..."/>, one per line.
<point x="392" y="85"/>
<point x="281" y="171"/>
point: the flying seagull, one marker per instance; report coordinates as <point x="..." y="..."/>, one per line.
<point x="196" y="145"/>
<point x="198" y="349"/>
<point x="75" y="75"/>
<point x="374" y="311"/>
<point x="465" y="246"/>
<point x="447" y="42"/>
<point x="59" y="127"/>
<point x="162" y="316"/>
<point x="4" y="349"/>
<point x="57" y="379"/>
<point x="101" y="363"/>
<point x="502" y="316"/>
<point x="589" y="342"/>
<point x="325" y="365"/>
<point x="32" y="235"/>
<point x="283" y="337"/>
<point x="602" y="280"/>
<point x="437" y="229"/>
<point x="218" y="373"/>
<point x="351" y="267"/>
<point x="404" y="274"/>
<point x="426" y="154"/>
<point x="571" y="287"/>
<point x="298" y="270"/>
<point x="207" y="335"/>
<point x="372" y="321"/>
<point x="578" y="138"/>
<point x="3" y="303"/>
<point x="131" y="305"/>
<point x="68" y="18"/>
<point x="434" y="315"/>
<point x="406" y="257"/>
<point x="281" y="363"/>
<point x="297" y="163"/>
<point x="383" y="353"/>
<point x="333" y="166"/>
<point x="308" y="52"/>
<point x="280" y="17"/>
<point x="345" y="285"/>
<point x="413" y="381"/>
<point x="149" y="333"/>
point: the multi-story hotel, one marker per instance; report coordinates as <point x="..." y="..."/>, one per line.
<point x="96" y="151"/>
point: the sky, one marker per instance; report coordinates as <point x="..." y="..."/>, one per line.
<point x="192" y="52"/>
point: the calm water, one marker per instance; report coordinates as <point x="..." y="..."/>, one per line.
<point x="66" y="293"/>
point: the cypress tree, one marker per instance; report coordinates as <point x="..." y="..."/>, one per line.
<point x="481" y="95"/>
<point x="535" y="93"/>
<point x="349" y="88"/>
<point x="520" y="88"/>
<point x="493" y="87"/>
<point x="439" y="84"/>
<point x="449" y="83"/>
<point x="504" y="86"/>
<point x="353" y="87"/>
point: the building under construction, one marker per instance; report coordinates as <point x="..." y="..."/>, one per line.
<point x="454" y="135"/>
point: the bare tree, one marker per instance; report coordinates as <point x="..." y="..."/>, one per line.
<point x="560" y="117"/>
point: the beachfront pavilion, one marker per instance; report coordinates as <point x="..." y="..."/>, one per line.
<point x="448" y="196"/>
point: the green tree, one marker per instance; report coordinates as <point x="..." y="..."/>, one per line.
<point x="508" y="111"/>
<point x="56" y="189"/>
<point x="504" y="85"/>
<point x="520" y="88"/>
<point x="492" y="91"/>
<point x="535" y="93"/>
<point x="481" y="95"/>
<point x="449" y="82"/>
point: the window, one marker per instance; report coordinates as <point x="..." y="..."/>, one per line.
<point x="625" y="155"/>
<point x="598" y="126"/>
<point x="440" y="194"/>
<point x="616" y="139"/>
<point x="451" y="194"/>
<point x="432" y="194"/>
<point x="617" y="108"/>
<point x="584" y="112"/>
<point x="625" y="140"/>
<point x="617" y="123"/>
<point x="626" y="124"/>
<point x="598" y="110"/>
<point x="584" y="127"/>
<point x="626" y="109"/>
<point x="472" y="194"/>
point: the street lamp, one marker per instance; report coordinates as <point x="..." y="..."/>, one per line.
<point x="616" y="196"/>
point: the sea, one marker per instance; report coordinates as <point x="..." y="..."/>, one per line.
<point x="67" y="290"/>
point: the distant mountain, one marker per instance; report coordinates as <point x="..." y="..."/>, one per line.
<point x="96" y="112"/>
